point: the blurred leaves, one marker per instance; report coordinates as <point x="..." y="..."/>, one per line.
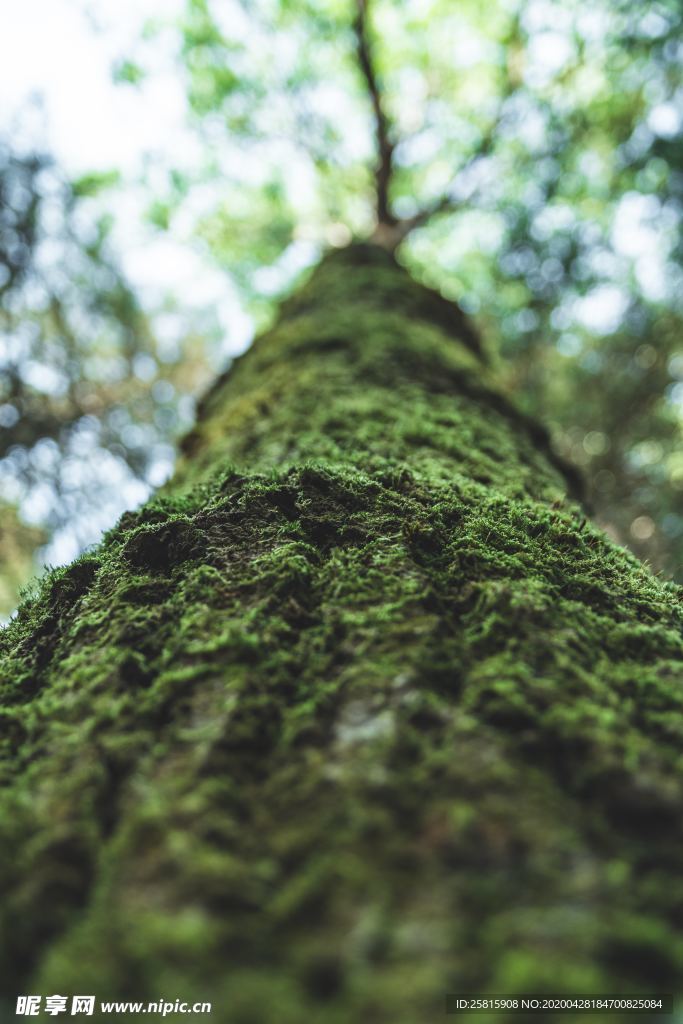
<point x="92" y="184"/>
<point x="555" y="129"/>
<point x="91" y="397"/>
<point x="18" y="543"/>
<point x="127" y="71"/>
<point x="566" y="243"/>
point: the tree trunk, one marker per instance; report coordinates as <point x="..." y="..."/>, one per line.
<point x="357" y="712"/>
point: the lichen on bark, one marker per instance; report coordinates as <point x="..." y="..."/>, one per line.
<point x="358" y="711"/>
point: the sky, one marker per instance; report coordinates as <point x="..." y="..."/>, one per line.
<point x="64" y="51"/>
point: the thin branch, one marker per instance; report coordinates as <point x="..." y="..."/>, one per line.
<point x="390" y="236"/>
<point x="448" y="203"/>
<point x="385" y="147"/>
<point x="400" y="228"/>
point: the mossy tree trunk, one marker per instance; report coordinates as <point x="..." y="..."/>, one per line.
<point x="357" y="712"/>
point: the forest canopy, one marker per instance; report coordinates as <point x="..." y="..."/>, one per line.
<point x="534" y="149"/>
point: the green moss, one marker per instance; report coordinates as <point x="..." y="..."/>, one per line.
<point x="360" y="711"/>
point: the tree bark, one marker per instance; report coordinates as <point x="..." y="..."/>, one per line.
<point x="358" y="711"/>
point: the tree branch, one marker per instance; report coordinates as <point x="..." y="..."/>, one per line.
<point x="391" y="236"/>
<point x="448" y="203"/>
<point x="385" y="147"/>
<point x="390" y="233"/>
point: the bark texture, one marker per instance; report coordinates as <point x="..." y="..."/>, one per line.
<point x="357" y="712"/>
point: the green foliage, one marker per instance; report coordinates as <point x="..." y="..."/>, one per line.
<point x="18" y="543"/>
<point x="91" y="184"/>
<point x="90" y="397"/>
<point x="556" y="131"/>
<point x="127" y="71"/>
<point x="360" y="710"/>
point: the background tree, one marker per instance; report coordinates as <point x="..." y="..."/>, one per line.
<point x="91" y="399"/>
